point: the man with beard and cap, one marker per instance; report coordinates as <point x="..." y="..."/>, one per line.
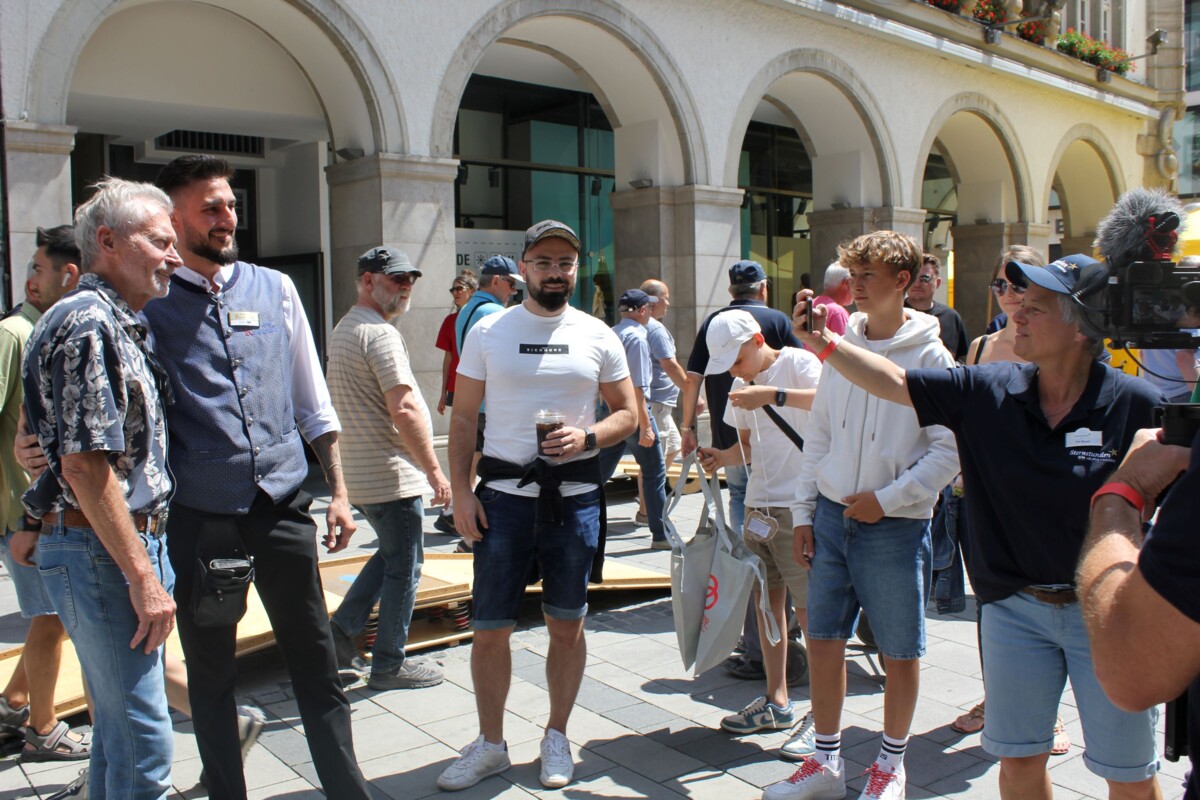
<point x="536" y="505"/>
<point x="247" y="381"/>
<point x="387" y="439"/>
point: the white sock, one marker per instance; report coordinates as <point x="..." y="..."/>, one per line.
<point x="891" y="753"/>
<point x="829" y="750"/>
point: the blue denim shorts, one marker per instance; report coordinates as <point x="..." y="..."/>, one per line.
<point x="31" y="592"/>
<point x="1030" y="648"/>
<point x="512" y="543"/>
<point x="883" y="568"/>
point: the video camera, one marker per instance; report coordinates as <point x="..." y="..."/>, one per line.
<point x="1142" y="297"/>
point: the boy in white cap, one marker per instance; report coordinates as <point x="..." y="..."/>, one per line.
<point x="768" y="405"/>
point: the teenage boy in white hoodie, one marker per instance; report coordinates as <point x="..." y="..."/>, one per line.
<point x="786" y="380"/>
<point x="863" y="504"/>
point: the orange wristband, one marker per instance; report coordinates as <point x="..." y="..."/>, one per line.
<point x="1124" y="491"/>
<point x="829" y="348"/>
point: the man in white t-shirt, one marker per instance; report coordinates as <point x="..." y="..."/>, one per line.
<point x="536" y="506"/>
<point x="768" y="405"/>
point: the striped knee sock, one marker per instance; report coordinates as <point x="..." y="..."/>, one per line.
<point x="891" y="753"/>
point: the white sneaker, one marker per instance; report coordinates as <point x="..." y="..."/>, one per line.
<point x="813" y="781"/>
<point x="803" y="741"/>
<point x="883" y="785"/>
<point x="557" y="765"/>
<point x="477" y="761"/>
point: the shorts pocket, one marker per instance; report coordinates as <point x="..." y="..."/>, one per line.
<point x="58" y="586"/>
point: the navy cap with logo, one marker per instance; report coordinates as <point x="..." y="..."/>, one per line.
<point x="1074" y="275"/>
<point x="549" y="228"/>
<point x="502" y="266"/>
<point x="633" y="299"/>
<point x="387" y="260"/>
<point x="744" y="272"/>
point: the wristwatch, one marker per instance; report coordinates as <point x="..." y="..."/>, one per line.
<point x="687" y="428"/>
<point x="781" y="397"/>
<point x="589" y="439"/>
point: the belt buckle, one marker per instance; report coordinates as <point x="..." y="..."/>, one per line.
<point x="156" y="525"/>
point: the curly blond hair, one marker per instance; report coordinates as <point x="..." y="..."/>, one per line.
<point x="898" y="251"/>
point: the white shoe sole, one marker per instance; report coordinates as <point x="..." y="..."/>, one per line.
<point x="449" y="787"/>
<point x="555" y="781"/>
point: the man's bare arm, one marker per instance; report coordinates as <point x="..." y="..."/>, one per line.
<point x="417" y="438"/>
<point x="675" y="371"/>
<point x="1146" y="651"/>
<point x="338" y="517"/>
<point x="469" y="517"/>
<point x="102" y="501"/>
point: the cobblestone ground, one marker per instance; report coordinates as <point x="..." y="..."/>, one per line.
<point x="643" y="727"/>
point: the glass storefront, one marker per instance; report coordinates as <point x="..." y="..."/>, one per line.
<point x="776" y="173"/>
<point x="529" y="153"/>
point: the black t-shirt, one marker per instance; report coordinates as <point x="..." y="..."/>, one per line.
<point x="953" y="333"/>
<point x="776" y="330"/>
<point x="1029" y="487"/>
<point x="1170" y="563"/>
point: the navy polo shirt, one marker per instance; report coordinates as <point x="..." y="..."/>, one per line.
<point x="777" y="332"/>
<point x="1029" y="487"/>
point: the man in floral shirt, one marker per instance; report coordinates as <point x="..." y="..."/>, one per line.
<point x="92" y="398"/>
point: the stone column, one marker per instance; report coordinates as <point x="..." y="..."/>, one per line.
<point x="686" y="236"/>
<point x="976" y="250"/>
<point x="38" y="168"/>
<point x="1077" y="244"/>
<point x="830" y="228"/>
<point x="405" y="202"/>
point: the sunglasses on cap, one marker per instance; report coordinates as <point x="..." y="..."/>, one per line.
<point x="1000" y="286"/>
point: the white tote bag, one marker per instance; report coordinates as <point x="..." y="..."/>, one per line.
<point x="691" y="562"/>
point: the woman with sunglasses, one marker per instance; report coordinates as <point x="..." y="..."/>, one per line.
<point x="460" y="291"/>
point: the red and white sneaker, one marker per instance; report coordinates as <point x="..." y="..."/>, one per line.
<point x="883" y="785"/>
<point x="813" y="781"/>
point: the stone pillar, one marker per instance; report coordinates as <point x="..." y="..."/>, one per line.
<point x="830" y="228"/>
<point x="405" y="202"/>
<point x="687" y="236"/>
<point x="976" y="250"/>
<point x="38" y="168"/>
<point x="1077" y="244"/>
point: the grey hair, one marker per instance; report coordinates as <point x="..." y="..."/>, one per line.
<point x="486" y="282"/>
<point x="742" y="291"/>
<point x="119" y="205"/>
<point x="1071" y="314"/>
<point x="835" y="275"/>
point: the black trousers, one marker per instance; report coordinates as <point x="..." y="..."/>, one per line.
<point x="282" y="539"/>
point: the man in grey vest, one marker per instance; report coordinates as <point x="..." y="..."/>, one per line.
<point x="247" y="382"/>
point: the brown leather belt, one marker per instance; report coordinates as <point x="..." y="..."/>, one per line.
<point x="1055" y="597"/>
<point x="71" y="518"/>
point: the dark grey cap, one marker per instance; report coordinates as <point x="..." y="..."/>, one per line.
<point x="387" y="260"/>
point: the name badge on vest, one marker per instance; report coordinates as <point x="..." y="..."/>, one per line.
<point x="243" y="319"/>
<point x="1085" y="437"/>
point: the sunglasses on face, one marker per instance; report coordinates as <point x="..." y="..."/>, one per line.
<point x="1000" y="286"/>
<point x="925" y="278"/>
<point x="456" y="289"/>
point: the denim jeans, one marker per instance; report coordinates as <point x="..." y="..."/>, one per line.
<point x="390" y="577"/>
<point x="737" y="478"/>
<point x="132" y="743"/>
<point x="654" y="475"/>
<point x="515" y="539"/>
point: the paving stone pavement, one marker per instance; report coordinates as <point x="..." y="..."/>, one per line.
<point x="643" y="727"/>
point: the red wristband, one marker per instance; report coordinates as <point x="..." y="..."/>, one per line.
<point x="829" y="348"/>
<point x="1124" y="491"/>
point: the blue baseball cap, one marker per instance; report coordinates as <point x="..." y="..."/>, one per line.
<point x="746" y="272"/>
<point x="633" y="299"/>
<point x="1068" y="275"/>
<point x="502" y="266"/>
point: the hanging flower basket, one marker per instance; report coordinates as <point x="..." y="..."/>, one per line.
<point x="1092" y="51"/>
<point x="953" y="6"/>
<point x="1032" y="31"/>
<point x="991" y="12"/>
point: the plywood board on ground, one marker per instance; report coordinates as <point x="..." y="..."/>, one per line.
<point x="445" y="581"/>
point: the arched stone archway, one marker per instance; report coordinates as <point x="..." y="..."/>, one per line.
<point x="658" y="133"/>
<point x="1086" y="182"/>
<point x="327" y="44"/>
<point x="992" y="190"/>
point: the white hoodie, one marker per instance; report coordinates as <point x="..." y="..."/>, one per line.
<point x="856" y="442"/>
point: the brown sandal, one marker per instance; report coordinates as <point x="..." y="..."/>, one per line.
<point x="970" y="722"/>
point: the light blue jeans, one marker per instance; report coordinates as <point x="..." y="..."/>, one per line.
<point x="389" y="577"/>
<point x="737" y="478"/>
<point x="132" y="744"/>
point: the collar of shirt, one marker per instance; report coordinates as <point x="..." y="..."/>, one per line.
<point x="215" y="285"/>
<point x="747" y="301"/>
<point x="486" y="297"/>
<point x="1099" y="392"/>
<point x="124" y="314"/>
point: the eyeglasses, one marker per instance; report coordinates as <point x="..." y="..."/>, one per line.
<point x="1000" y="286"/>
<point x="925" y="278"/>
<point x="545" y="265"/>
<point x="403" y="278"/>
<point x="457" y="288"/>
